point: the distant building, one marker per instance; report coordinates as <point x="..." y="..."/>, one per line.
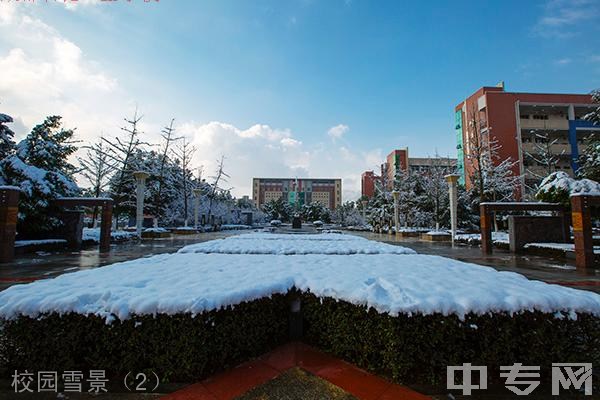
<point x="367" y="183"/>
<point x="513" y="119"/>
<point x="298" y="191"/>
<point x="398" y="161"/>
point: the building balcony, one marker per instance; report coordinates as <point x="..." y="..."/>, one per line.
<point x="548" y="124"/>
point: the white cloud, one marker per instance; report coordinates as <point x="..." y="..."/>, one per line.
<point x="336" y="132"/>
<point x="563" y="61"/>
<point x="45" y="73"/>
<point x="561" y="18"/>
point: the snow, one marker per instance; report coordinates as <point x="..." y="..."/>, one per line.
<point x="155" y="230"/>
<point x="230" y="227"/>
<point x="262" y="243"/>
<point x="475" y="238"/>
<point x="93" y="235"/>
<point x="275" y="222"/>
<point x="9" y="187"/>
<point x="194" y="283"/>
<point x="438" y="233"/>
<point x="5" y="118"/>
<point x="22" y="243"/>
<point x="562" y="181"/>
<point x="557" y="246"/>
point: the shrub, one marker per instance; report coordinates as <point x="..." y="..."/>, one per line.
<point x="405" y="348"/>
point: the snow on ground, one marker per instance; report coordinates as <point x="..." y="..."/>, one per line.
<point x="557" y="246"/>
<point x="475" y="238"/>
<point x="93" y="235"/>
<point x="193" y="283"/>
<point x="22" y="243"/>
<point x="264" y="243"/>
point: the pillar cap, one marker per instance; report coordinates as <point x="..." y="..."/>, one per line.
<point x="140" y="175"/>
<point x="452" y="178"/>
<point x="395" y="194"/>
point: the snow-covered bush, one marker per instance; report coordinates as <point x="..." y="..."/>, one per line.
<point x="559" y="186"/>
<point x="275" y="222"/>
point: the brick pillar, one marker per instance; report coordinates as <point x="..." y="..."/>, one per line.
<point x="582" y="231"/>
<point x="486" y="230"/>
<point x="107" y="208"/>
<point x="9" y="208"/>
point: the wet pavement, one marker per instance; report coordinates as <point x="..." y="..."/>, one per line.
<point x="43" y="265"/>
<point x="47" y="265"/>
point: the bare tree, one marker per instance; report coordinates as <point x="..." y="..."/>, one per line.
<point x="544" y="154"/>
<point x="96" y="169"/>
<point x="167" y="134"/>
<point x="220" y="176"/>
<point x="120" y="154"/>
<point x="184" y="153"/>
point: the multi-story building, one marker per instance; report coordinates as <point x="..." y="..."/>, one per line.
<point x="399" y="161"/>
<point x="298" y="191"/>
<point x="367" y="183"/>
<point x="519" y="121"/>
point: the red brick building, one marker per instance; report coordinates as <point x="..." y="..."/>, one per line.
<point x="513" y="119"/>
<point x="367" y="183"/>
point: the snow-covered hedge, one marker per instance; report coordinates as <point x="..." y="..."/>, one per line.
<point x="405" y="348"/>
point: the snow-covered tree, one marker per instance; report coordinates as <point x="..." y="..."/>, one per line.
<point x="42" y="170"/>
<point x="435" y="191"/>
<point x="544" y="154"/>
<point x="348" y="214"/>
<point x="219" y="177"/>
<point x="589" y="161"/>
<point x="315" y="211"/>
<point x="559" y="186"/>
<point x="493" y="179"/>
<point x="7" y="142"/>
<point x="278" y="209"/>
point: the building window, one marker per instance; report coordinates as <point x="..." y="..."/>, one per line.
<point x="524" y="116"/>
<point x="540" y="116"/>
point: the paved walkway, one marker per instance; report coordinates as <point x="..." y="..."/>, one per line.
<point x="237" y="381"/>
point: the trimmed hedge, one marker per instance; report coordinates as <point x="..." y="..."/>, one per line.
<point x="177" y="347"/>
<point x="407" y="349"/>
<point x="418" y="348"/>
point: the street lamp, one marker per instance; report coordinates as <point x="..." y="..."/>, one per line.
<point x="396" y="196"/>
<point x="140" y="179"/>
<point x="197" y="193"/>
<point x="364" y="210"/>
<point x="452" y="180"/>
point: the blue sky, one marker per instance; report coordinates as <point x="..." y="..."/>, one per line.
<point x="388" y="72"/>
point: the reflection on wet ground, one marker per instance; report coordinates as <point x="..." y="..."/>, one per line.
<point x="48" y="265"/>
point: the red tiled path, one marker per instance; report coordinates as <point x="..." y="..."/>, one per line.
<point x="239" y="380"/>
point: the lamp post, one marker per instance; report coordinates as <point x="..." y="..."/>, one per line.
<point x="396" y="196"/>
<point x="452" y="180"/>
<point x="197" y="193"/>
<point x="140" y="179"/>
<point x="364" y="210"/>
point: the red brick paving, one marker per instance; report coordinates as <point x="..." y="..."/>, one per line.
<point x="232" y="383"/>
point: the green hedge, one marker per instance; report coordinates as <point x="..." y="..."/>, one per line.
<point x="407" y="349"/>
<point x="418" y="348"/>
<point x="177" y="347"/>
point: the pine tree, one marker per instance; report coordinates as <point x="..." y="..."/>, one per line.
<point x="42" y="170"/>
<point x="589" y="160"/>
<point x="7" y="142"/>
<point x="594" y="116"/>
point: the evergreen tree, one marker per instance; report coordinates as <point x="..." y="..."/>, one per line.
<point x="589" y="161"/>
<point x="7" y="142"/>
<point x="41" y="169"/>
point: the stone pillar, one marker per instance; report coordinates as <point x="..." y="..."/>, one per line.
<point x="9" y="208"/>
<point x="452" y="180"/>
<point x="140" y="179"/>
<point x="197" y="193"/>
<point x="582" y="232"/>
<point x="486" y="229"/>
<point x="396" y="196"/>
<point x="105" y="224"/>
